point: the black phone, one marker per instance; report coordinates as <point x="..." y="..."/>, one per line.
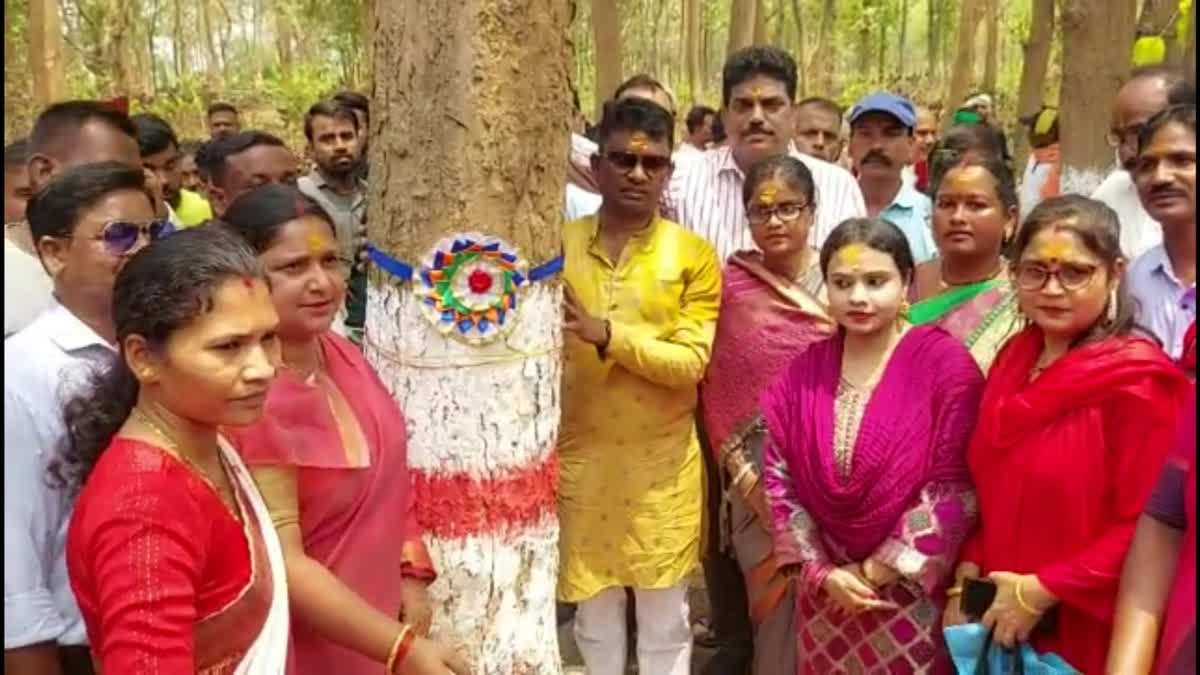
<point x="977" y="598"/>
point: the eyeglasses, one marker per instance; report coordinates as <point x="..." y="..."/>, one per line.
<point x="1033" y="277"/>
<point x="626" y="162"/>
<point x="1121" y="137"/>
<point x="120" y="236"/>
<point x="788" y="212"/>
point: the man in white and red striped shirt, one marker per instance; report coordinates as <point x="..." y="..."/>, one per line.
<point x="705" y="194"/>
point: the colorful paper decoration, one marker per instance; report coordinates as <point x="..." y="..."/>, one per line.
<point x="469" y="285"/>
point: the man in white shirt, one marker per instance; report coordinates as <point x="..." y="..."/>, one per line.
<point x="88" y="221"/>
<point x="65" y="135"/>
<point x="1142" y="97"/>
<point x="758" y="111"/>
<point x="26" y="287"/>
<point x="700" y="131"/>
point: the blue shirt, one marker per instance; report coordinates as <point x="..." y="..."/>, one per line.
<point x="1165" y="307"/>
<point x="912" y="212"/>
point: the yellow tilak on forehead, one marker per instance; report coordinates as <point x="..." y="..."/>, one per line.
<point x="1057" y="247"/>
<point x="639" y="141"/>
<point x="757" y="92"/>
<point x="315" y="243"/>
<point x="768" y="195"/>
<point x="851" y="254"/>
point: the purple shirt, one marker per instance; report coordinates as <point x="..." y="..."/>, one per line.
<point x="1165" y="306"/>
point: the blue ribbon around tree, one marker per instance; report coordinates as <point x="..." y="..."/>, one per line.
<point x="404" y="272"/>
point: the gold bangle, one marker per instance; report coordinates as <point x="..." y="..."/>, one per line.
<point x="1021" y="599"/>
<point x="395" y="650"/>
<point x="954" y="592"/>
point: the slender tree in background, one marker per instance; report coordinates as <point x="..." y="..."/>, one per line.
<point x="991" y="64"/>
<point x="606" y="26"/>
<point x="741" y="24"/>
<point x="827" y="81"/>
<point x="902" y="51"/>
<point x="45" y="52"/>
<point x="1037" y="45"/>
<point x="964" y="59"/>
<point x="473" y="111"/>
<point x="1097" y="41"/>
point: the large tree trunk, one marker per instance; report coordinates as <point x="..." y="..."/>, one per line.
<point x="1031" y="95"/>
<point x="801" y="40"/>
<point x="606" y="26"/>
<point x="46" y="53"/>
<point x="761" y="21"/>
<point x="692" y="58"/>
<point x="741" y="24"/>
<point x="1097" y="38"/>
<point x="964" y="59"/>
<point x="483" y="419"/>
<point x="991" y="64"/>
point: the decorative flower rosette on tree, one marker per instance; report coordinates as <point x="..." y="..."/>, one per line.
<point x="469" y="284"/>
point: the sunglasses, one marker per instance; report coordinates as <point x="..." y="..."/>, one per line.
<point x="1032" y="277"/>
<point x="120" y="236"/>
<point x="628" y="161"/>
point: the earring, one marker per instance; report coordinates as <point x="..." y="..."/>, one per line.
<point x="902" y="316"/>
<point x="1111" y="316"/>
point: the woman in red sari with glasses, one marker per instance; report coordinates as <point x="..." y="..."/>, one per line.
<point x="1074" y="426"/>
<point x="330" y="456"/>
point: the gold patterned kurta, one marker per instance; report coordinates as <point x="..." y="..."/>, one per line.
<point x="631" y="495"/>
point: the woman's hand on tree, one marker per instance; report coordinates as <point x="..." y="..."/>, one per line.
<point x="432" y="658"/>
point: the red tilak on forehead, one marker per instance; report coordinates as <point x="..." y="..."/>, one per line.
<point x="248" y="282"/>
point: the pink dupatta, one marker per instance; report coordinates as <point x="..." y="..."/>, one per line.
<point x="357" y="519"/>
<point x="765" y="322"/>
<point x="913" y="433"/>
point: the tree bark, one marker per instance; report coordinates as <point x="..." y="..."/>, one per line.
<point x="1036" y="62"/>
<point x="964" y="58"/>
<point x="46" y="53"/>
<point x="826" y="82"/>
<point x="606" y="25"/>
<point x="932" y="41"/>
<point x="761" y="21"/>
<point x="691" y="17"/>
<point x="991" y="65"/>
<point x="483" y="419"/>
<point x="801" y="40"/>
<point x="1097" y="38"/>
<point x="741" y="25"/>
<point x="902" y="52"/>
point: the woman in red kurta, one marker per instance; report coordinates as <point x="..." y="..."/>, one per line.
<point x="170" y="550"/>
<point x="1074" y="424"/>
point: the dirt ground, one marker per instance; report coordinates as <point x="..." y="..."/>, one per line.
<point x="574" y="664"/>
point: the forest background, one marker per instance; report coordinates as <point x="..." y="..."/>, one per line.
<point x="273" y="58"/>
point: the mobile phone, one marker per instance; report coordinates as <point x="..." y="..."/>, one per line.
<point x="977" y="598"/>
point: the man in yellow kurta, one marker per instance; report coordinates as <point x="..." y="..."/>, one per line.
<point x="641" y="311"/>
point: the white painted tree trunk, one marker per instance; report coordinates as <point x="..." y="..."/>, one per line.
<point x="481" y="425"/>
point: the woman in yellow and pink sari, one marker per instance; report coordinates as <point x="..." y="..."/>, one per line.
<point x="966" y="289"/>
<point x="770" y="312"/>
<point x="330" y="457"/>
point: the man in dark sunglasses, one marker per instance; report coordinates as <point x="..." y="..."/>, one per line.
<point x="86" y="223"/>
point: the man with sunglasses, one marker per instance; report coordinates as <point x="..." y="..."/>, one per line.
<point x="641" y="308"/>
<point x="86" y="222"/>
<point x="1146" y="94"/>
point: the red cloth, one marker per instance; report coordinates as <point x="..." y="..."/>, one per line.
<point x="921" y="169"/>
<point x="1063" y="467"/>
<point x="1188" y="361"/>
<point x="160" y="568"/>
<point x="357" y="519"/>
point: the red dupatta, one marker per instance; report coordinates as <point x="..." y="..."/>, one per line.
<point x="1063" y="466"/>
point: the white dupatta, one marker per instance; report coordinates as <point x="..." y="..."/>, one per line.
<point x="269" y="653"/>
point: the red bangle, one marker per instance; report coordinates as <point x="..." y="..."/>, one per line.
<point x="403" y="647"/>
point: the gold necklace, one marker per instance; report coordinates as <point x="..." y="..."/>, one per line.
<point x="946" y="284"/>
<point x="173" y="448"/>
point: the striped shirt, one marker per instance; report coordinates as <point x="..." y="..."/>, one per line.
<point x="705" y="195"/>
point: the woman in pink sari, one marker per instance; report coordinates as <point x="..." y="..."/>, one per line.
<point x="770" y="312"/>
<point x="330" y="458"/>
<point x="866" y="474"/>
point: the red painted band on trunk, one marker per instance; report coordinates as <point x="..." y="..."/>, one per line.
<point x="456" y="506"/>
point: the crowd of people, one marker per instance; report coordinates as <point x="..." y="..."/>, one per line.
<point x="881" y="390"/>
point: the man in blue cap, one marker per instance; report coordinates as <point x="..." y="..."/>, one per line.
<point x="881" y="145"/>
